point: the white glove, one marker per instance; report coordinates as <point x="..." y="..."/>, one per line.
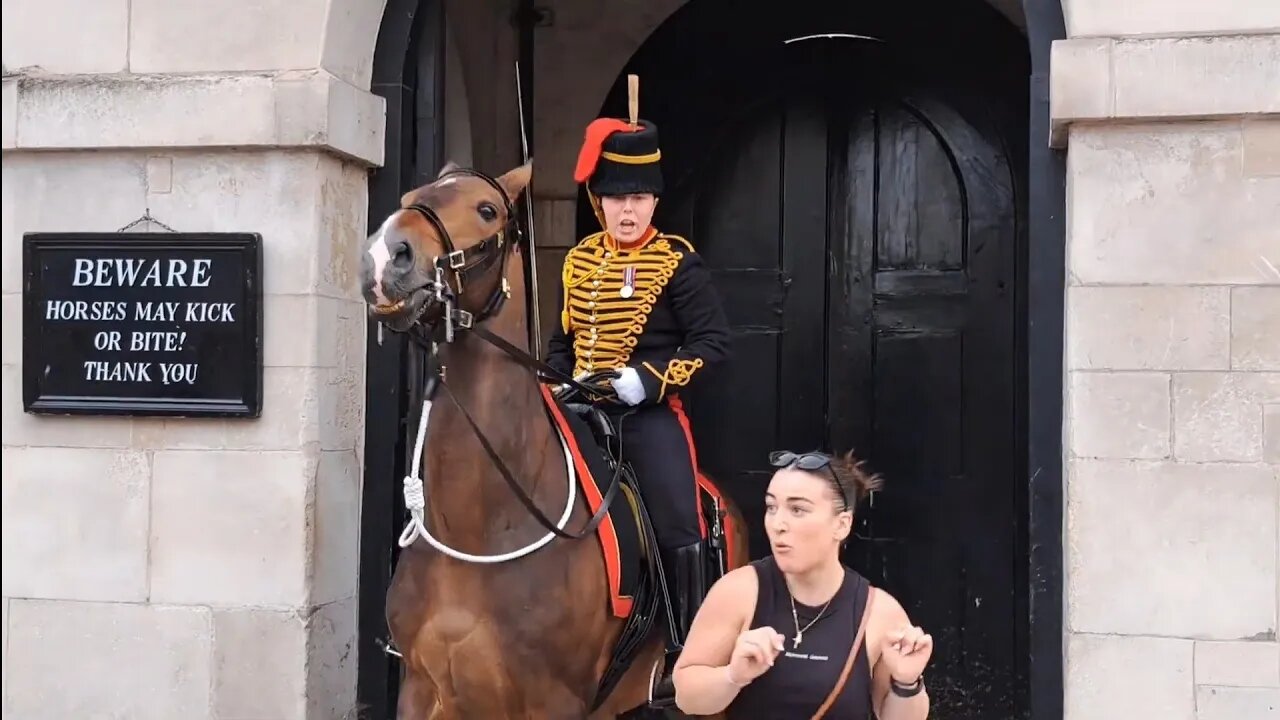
<point x="628" y="386"/>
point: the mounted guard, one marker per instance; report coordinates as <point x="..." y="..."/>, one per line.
<point x="640" y="303"/>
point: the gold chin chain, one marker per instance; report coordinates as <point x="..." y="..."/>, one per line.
<point x="795" y="642"/>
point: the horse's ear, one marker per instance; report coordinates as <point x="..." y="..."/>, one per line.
<point x="448" y="168"/>
<point x="515" y="181"/>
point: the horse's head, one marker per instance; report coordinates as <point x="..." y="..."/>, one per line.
<point x="445" y="244"/>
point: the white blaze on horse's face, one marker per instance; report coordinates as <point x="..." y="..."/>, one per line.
<point x="378" y="256"/>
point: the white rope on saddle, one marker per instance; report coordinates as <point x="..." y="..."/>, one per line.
<point x="416" y="501"/>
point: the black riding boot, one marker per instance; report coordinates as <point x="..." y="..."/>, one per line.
<point x="685" y="568"/>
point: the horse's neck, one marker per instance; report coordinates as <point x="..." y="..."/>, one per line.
<point x="471" y="506"/>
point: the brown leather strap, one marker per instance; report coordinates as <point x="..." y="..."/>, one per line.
<point x="852" y="659"/>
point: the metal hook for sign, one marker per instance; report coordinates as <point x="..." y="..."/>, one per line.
<point x="146" y="218"/>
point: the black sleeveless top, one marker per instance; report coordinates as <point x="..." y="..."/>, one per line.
<point x="802" y="677"/>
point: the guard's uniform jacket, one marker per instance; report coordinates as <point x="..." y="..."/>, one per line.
<point x="650" y="306"/>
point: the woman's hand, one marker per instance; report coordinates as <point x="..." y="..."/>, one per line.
<point x="753" y="654"/>
<point x="905" y="652"/>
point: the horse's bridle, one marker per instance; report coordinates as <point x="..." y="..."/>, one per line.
<point x="464" y="265"/>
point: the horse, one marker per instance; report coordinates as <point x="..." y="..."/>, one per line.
<point x="530" y="636"/>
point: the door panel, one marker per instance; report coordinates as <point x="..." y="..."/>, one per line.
<point x="863" y="247"/>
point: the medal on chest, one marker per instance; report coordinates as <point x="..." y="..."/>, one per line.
<point x="628" y="282"/>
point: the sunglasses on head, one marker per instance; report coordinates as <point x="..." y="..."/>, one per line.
<point x="809" y="461"/>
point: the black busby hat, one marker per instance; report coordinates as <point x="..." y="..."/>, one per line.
<point x="617" y="159"/>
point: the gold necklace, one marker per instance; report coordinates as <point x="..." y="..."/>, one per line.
<point x="795" y="642"/>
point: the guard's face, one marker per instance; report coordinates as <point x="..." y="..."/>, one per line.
<point x="804" y="520"/>
<point x="627" y="217"/>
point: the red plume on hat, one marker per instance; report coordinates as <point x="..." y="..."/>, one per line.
<point x="593" y="145"/>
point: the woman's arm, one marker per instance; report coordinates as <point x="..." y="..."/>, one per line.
<point x="701" y="677"/>
<point x="906" y="660"/>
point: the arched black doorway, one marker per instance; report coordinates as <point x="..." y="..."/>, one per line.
<point x="408" y="72"/>
<point x="864" y="203"/>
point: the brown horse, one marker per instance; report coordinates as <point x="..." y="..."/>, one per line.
<point x="529" y="637"/>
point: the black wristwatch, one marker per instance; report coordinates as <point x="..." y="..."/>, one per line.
<point x="906" y="691"/>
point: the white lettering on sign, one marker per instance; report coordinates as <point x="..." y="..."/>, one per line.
<point x="103" y="371"/>
<point x="136" y="272"/>
<point x="210" y="312"/>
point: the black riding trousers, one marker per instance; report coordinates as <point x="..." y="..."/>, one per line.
<point x="655" y="444"/>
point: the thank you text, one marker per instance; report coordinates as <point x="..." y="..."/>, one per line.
<point x="143" y="324"/>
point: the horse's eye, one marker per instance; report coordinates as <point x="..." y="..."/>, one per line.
<point x="488" y="213"/>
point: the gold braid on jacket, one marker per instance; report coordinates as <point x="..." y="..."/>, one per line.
<point x="602" y="323"/>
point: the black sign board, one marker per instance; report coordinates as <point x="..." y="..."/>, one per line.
<point x="142" y="324"/>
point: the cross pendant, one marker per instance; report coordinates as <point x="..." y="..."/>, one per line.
<point x="799" y="636"/>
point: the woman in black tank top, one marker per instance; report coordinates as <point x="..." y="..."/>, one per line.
<point x="797" y="635"/>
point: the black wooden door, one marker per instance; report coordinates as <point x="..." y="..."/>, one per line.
<point x="864" y="245"/>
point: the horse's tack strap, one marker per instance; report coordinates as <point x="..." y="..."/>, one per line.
<point x="853" y="657"/>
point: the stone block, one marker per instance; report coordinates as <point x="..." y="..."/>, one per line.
<point x="109" y="190"/>
<point x="1148" y="328"/>
<point x="1238" y="664"/>
<point x="1079" y="86"/>
<point x="108" y="660"/>
<point x="159" y="175"/>
<point x="274" y="193"/>
<point x="342" y="397"/>
<point x="21" y="428"/>
<point x="4" y="649"/>
<point x="259" y="665"/>
<point x="75" y="523"/>
<point x="1168" y="204"/>
<point x="1233" y="703"/>
<point x="1262" y="149"/>
<point x="336" y="527"/>
<point x="1219" y="416"/>
<point x="344" y="225"/>
<point x="350" y="33"/>
<point x="180" y="433"/>
<point x="190" y="36"/>
<point x="1271" y="433"/>
<point x="1137" y="530"/>
<point x="1255" y="326"/>
<point x="290" y="109"/>
<point x="1168" y="17"/>
<point x="290" y="412"/>
<point x="1196" y="77"/>
<point x="9" y="113"/>
<point x="331" y="655"/>
<point x="298" y="331"/>
<point x="65" y="36"/>
<point x="11" y="306"/>
<point x="1120" y="415"/>
<point x="1123" y="678"/>
<point x="231" y="528"/>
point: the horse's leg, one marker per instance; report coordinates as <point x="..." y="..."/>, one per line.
<point x="418" y="699"/>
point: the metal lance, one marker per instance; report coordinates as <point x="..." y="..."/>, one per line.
<point x="535" y="344"/>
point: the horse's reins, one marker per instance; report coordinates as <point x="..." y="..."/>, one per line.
<point x="463" y="264"/>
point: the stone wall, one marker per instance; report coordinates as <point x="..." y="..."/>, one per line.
<point x="1170" y="114"/>
<point x="192" y="568"/>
